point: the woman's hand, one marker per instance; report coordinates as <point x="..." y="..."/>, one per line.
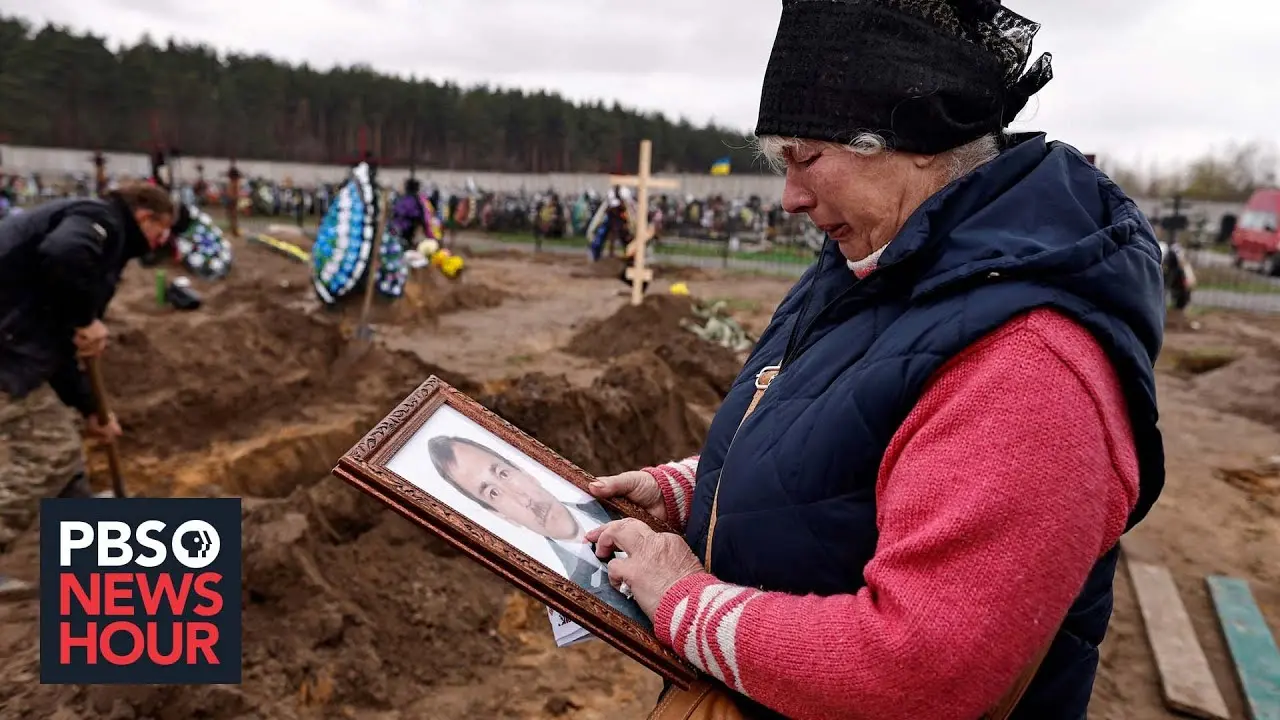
<point x="654" y="561"/>
<point x="637" y="486"/>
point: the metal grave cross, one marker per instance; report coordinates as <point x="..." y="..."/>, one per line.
<point x="640" y="274"/>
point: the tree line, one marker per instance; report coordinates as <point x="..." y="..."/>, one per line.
<point x="63" y="89"/>
<point x="1228" y="174"/>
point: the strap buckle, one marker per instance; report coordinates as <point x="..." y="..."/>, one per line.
<point x="772" y="371"/>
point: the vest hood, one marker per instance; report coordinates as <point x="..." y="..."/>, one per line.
<point x="1040" y="211"/>
<point x="1040" y="215"/>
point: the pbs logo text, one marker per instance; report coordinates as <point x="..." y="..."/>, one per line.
<point x="195" y="544"/>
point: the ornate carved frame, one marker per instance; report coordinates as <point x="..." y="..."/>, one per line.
<point x="364" y="466"/>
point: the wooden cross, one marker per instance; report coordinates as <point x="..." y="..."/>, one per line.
<point x="639" y="274"/>
<point x="100" y="174"/>
<point x="233" y="189"/>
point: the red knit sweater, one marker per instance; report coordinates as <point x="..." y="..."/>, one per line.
<point x="1013" y="473"/>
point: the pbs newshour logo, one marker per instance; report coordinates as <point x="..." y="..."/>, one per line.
<point x="140" y="590"/>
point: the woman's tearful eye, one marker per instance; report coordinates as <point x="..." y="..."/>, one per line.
<point x="804" y="157"/>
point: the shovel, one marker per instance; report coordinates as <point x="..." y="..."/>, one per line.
<point x="104" y="412"/>
<point x="363" y="338"/>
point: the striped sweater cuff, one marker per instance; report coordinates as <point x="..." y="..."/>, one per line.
<point x="675" y="481"/>
<point x="698" y="618"/>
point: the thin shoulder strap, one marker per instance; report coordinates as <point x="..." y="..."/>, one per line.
<point x="1003" y="707"/>
<point x="763" y="378"/>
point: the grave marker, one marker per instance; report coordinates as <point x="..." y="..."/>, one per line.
<point x="640" y="274"/>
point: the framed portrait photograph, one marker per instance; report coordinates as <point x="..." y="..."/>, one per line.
<point x="450" y="465"/>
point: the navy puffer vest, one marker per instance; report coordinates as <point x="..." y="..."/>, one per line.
<point x="1039" y="227"/>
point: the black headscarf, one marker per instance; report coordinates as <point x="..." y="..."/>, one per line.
<point x="927" y="75"/>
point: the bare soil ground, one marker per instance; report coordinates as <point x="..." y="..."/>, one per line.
<point x="351" y="612"/>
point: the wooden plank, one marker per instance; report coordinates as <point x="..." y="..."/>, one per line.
<point x="1253" y="647"/>
<point x="1185" y="678"/>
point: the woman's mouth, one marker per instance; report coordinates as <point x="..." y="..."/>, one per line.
<point x="837" y="231"/>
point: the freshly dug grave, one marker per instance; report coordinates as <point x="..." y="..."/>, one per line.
<point x="247" y="394"/>
<point x="350" y="611"/>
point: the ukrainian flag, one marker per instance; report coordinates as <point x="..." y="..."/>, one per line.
<point x="720" y="167"/>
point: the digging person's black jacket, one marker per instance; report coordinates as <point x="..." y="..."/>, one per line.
<point x="59" y="266"/>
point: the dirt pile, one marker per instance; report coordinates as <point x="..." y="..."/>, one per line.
<point x="704" y="370"/>
<point x="429" y="295"/>
<point x="1246" y="387"/>
<point x="246" y="396"/>
<point x="633" y="327"/>
<point x="605" y="267"/>
<point x="184" y="380"/>
<point x="201" y="374"/>
<point x="632" y="415"/>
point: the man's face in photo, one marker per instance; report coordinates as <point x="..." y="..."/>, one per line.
<point x="512" y="493"/>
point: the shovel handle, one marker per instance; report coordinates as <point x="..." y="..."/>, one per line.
<point x="104" y="412"/>
<point x="375" y="263"/>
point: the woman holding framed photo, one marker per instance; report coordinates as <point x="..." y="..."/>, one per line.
<point x="908" y="505"/>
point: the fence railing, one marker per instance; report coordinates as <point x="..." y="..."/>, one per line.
<point x="1222" y="280"/>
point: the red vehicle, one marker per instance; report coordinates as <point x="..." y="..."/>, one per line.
<point x="1256" y="238"/>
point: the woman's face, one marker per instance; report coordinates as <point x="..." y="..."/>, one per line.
<point x="860" y="201"/>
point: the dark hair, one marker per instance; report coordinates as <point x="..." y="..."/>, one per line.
<point x="442" y="457"/>
<point x="145" y="196"/>
<point x="412" y="186"/>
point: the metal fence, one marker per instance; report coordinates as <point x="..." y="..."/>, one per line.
<point x="1221" y="279"/>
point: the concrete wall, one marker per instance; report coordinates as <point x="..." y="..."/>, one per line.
<point x="57" y="161"/>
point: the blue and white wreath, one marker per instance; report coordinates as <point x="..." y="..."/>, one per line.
<point x="344" y="242"/>
<point x="393" y="270"/>
<point x="202" y="248"/>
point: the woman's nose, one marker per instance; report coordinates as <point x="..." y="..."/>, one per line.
<point x="796" y="198"/>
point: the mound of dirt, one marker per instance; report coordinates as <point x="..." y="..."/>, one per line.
<point x="1192" y="361"/>
<point x="667" y="271"/>
<point x="605" y="267"/>
<point x="633" y="327"/>
<point x="1246" y="387"/>
<point x="704" y="370"/>
<point x="201" y="371"/>
<point x="633" y="415"/>
<point x="245" y="396"/>
<point x="181" y="381"/>
<point x="429" y="295"/>
<point x="471" y="296"/>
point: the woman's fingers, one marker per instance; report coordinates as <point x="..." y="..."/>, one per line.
<point x="619" y="535"/>
<point x="620" y="485"/>
<point x="637" y="486"/>
<point x="619" y="571"/>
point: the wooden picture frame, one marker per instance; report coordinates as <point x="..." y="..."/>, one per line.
<point x="366" y="466"/>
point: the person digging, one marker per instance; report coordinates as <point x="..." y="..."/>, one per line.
<point x="60" y="265"/>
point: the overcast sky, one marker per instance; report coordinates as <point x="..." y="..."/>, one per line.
<point x="1137" y="80"/>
